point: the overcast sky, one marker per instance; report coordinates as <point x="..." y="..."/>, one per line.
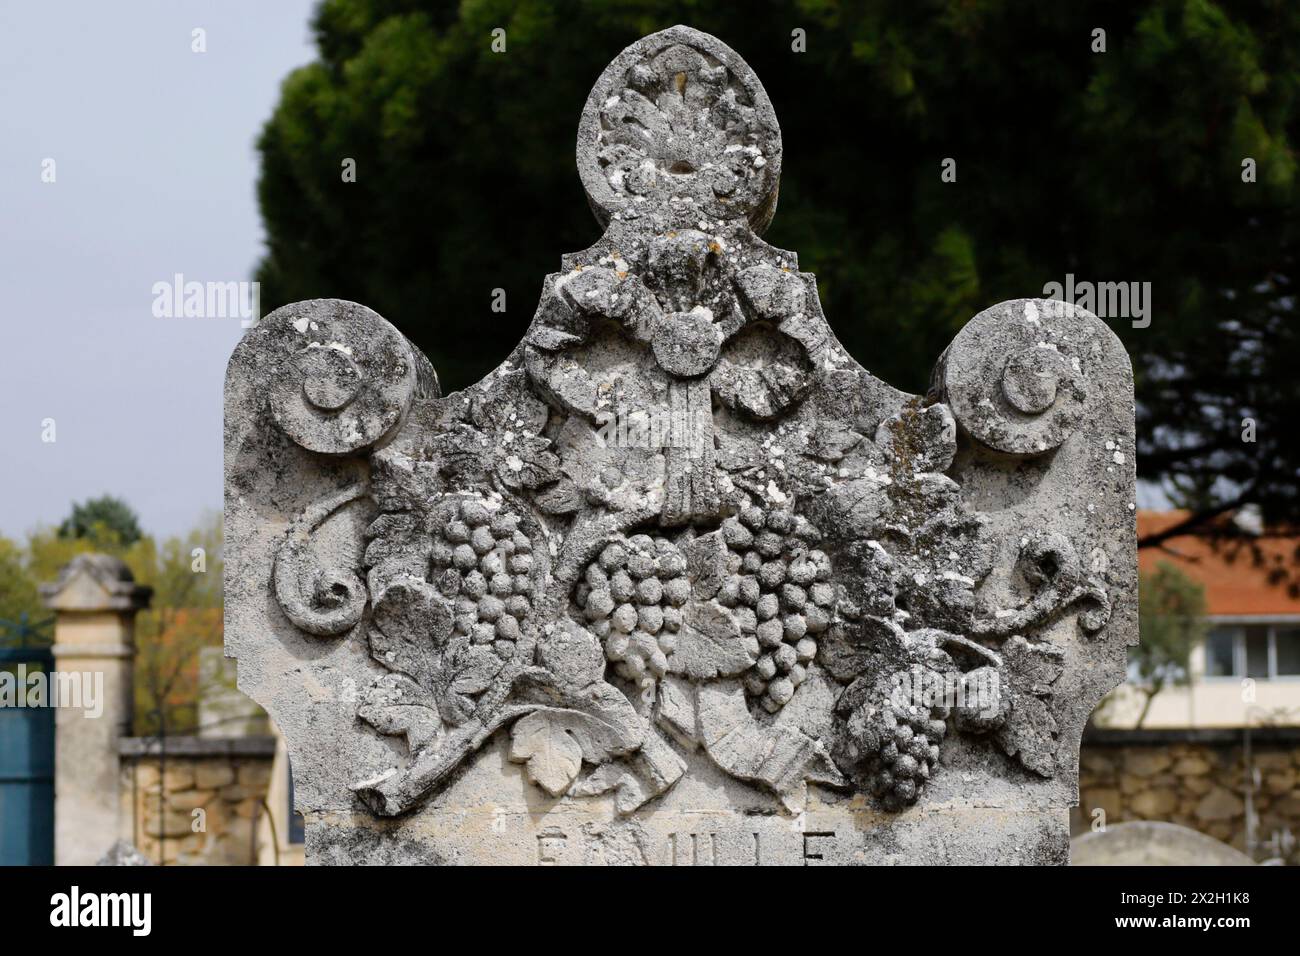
<point x="155" y="174"/>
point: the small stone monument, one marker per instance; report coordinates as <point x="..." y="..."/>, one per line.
<point x="679" y="581"/>
<point x="1153" y="843"/>
<point x="95" y="600"/>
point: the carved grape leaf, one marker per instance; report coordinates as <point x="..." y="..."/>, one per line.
<point x="518" y="460"/>
<point x="572" y="655"/>
<point x="527" y="462"/>
<point x="473" y="668"/>
<point x="1033" y="667"/>
<point x="562" y="498"/>
<point x="831" y="441"/>
<point x="771" y="293"/>
<point x="553" y="743"/>
<point x="504" y="403"/>
<point x="395" y="705"/>
<point x="553" y="756"/>
<point x="780" y="756"/>
<point x="600" y="292"/>
<point x="919" y="439"/>
<point x="648" y="773"/>
<point x="853" y="508"/>
<point x="397" y="484"/>
<point x="675" y="710"/>
<point x="706" y="564"/>
<point x="410" y="632"/>
<point x="763" y="393"/>
<point x="1029" y="733"/>
<point x="398" y="548"/>
<point x="408" y="629"/>
<point x="553" y="340"/>
<point x="711" y="645"/>
<point x="462" y="453"/>
<point x="465" y="670"/>
<point x="808" y="331"/>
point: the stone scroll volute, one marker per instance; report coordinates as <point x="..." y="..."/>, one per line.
<point x="680" y="581"/>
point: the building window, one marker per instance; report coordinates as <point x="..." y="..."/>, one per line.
<point x="1256" y="649"/>
<point x="1286" y="640"/>
<point x="1259" y="651"/>
<point x="1221" y="652"/>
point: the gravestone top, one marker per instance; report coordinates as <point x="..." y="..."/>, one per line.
<point x="124" y="853"/>
<point x="95" y="582"/>
<point x="680" y="581"/>
<point x="1153" y="843"/>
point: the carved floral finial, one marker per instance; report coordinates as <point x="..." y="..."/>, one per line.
<point x="678" y="118"/>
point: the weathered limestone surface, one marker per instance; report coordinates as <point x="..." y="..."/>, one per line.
<point x="680" y="582"/>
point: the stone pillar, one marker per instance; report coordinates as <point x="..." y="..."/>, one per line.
<point x="95" y="601"/>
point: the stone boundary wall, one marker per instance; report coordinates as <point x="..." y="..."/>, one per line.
<point x="1197" y="779"/>
<point x="163" y="786"/>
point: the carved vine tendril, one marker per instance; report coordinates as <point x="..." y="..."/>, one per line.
<point x="320" y="601"/>
<point x="1049" y="562"/>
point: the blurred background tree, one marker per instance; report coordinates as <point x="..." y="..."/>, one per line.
<point x="101" y="517"/>
<point x="18" y="595"/>
<point x="1171" y="620"/>
<point x="1123" y="165"/>
<point x="184" y="617"/>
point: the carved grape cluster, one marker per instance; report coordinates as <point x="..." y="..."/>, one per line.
<point x="778" y="588"/>
<point x="482" y="562"/>
<point x="896" y="744"/>
<point x="632" y="597"/>
<point x="893" y="740"/>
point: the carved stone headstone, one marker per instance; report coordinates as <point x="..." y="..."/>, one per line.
<point x="679" y="581"/>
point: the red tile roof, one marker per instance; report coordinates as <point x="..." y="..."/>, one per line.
<point x="1235" y="584"/>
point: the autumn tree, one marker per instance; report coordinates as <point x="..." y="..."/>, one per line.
<point x="183" y="617"/>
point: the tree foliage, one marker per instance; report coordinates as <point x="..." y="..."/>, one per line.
<point x="1171" y="621"/>
<point x="102" y="519"/>
<point x="18" y="595"/>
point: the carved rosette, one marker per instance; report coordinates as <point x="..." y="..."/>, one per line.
<point x="679" y="522"/>
<point x="680" y="119"/>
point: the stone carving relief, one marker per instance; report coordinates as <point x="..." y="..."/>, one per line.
<point x="679" y="519"/>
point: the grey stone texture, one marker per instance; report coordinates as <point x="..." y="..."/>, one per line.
<point x="680" y="581"/>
